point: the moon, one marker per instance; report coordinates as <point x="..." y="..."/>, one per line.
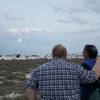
<point x="19" y="40"/>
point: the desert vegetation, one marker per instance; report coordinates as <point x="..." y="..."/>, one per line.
<point x="13" y="75"/>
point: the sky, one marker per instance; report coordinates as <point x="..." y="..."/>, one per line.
<point x="36" y="26"/>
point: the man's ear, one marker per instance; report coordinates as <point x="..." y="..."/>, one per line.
<point x="86" y="55"/>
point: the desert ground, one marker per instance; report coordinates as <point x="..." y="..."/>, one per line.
<point x="13" y="74"/>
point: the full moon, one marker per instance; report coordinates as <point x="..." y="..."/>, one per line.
<point x="19" y="40"/>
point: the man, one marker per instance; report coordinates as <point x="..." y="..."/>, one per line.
<point x="58" y="79"/>
<point x="90" y="53"/>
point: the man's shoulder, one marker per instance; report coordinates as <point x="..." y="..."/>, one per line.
<point x="74" y="66"/>
<point x="70" y="64"/>
<point x="50" y="65"/>
<point x="44" y="66"/>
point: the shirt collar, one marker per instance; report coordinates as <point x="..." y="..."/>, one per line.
<point x="90" y="62"/>
<point x="58" y="60"/>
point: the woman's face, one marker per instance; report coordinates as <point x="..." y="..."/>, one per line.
<point x="85" y="55"/>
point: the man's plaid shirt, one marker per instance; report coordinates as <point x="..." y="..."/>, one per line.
<point x="59" y="80"/>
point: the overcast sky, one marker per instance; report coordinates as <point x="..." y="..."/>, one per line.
<point x="35" y="26"/>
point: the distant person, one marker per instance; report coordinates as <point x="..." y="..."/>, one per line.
<point x="58" y="79"/>
<point x="90" y="53"/>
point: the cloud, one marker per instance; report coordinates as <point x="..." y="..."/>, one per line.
<point x="12" y="17"/>
<point x="78" y="19"/>
<point x="69" y="9"/>
<point x="93" y="5"/>
<point x="26" y="31"/>
<point x="75" y="6"/>
<point x="64" y="21"/>
<point x="72" y="19"/>
<point x="82" y="15"/>
<point x="56" y="6"/>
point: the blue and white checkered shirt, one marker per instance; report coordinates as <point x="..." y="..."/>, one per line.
<point x="59" y="80"/>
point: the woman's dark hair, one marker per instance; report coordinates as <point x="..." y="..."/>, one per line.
<point x="91" y="50"/>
